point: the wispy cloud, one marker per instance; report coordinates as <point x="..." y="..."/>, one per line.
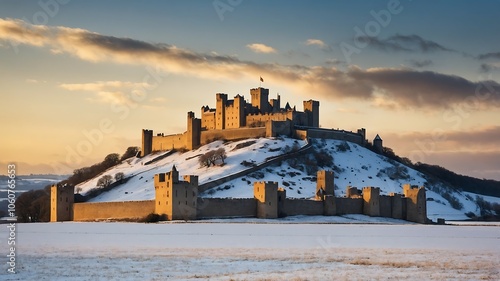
<point x="403" y="87"/>
<point x="316" y="42"/>
<point x="335" y="62"/>
<point x="35" y="81"/>
<point x="488" y="67"/>
<point x="117" y="92"/>
<point x="494" y="55"/>
<point x="404" y="43"/>
<point x="261" y="48"/>
<point x="420" y="63"/>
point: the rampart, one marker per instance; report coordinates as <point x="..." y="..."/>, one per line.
<point x="309" y="207"/>
<point x="162" y="143"/>
<point x="226" y="207"/>
<point x="178" y="199"/>
<point x="112" y="210"/>
<point x="232" y="134"/>
<point x="332" y="134"/>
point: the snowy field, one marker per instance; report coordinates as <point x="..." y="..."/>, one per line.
<point x="232" y="250"/>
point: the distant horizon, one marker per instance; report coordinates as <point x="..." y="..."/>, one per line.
<point x="77" y="87"/>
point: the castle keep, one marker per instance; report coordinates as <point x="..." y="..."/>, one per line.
<point x="234" y="119"/>
<point x="178" y="200"/>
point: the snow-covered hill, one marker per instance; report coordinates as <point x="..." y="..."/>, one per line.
<point x="352" y="164"/>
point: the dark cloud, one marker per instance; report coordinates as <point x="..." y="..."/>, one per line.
<point x="420" y="63"/>
<point x="495" y="55"/>
<point x="488" y="67"/>
<point x="411" y="88"/>
<point x="404" y="43"/>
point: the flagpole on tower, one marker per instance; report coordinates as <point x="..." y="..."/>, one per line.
<point x="261" y="80"/>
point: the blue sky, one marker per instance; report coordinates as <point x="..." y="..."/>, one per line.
<point x="426" y="79"/>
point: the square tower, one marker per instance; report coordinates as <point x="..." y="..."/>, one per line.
<point x="220" y="111"/>
<point x="147" y="142"/>
<point x="416" y="203"/>
<point x="371" y="201"/>
<point x="62" y="199"/>
<point x="266" y="194"/>
<point x="311" y="109"/>
<point x="324" y="184"/>
<point x="260" y="98"/>
<point x="174" y="198"/>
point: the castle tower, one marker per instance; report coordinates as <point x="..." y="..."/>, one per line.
<point x="266" y="194"/>
<point x="371" y="201"/>
<point x="220" y="111"/>
<point x="276" y="104"/>
<point x="174" y="198"/>
<point x="311" y="108"/>
<point x="62" y="199"/>
<point x="416" y="203"/>
<point x="377" y="144"/>
<point x="324" y="184"/>
<point x="193" y="134"/>
<point x="260" y="98"/>
<point x="147" y="142"/>
<point x="239" y="108"/>
<point x="362" y="132"/>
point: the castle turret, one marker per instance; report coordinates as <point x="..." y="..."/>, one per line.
<point x="175" y="198"/>
<point x="193" y="133"/>
<point x="324" y="184"/>
<point x="62" y="199"/>
<point x="416" y="203"/>
<point x="260" y="98"/>
<point x="147" y="142"/>
<point x="266" y="194"/>
<point x="311" y="108"/>
<point x="371" y="201"/>
<point x="220" y="111"/>
<point x="377" y="144"/>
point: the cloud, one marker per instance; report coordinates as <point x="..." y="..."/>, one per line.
<point x="335" y="62"/>
<point x="316" y="42"/>
<point x="402" y="87"/>
<point x="404" y="43"/>
<point x="487" y="67"/>
<point x="35" y="81"/>
<point x="495" y="55"/>
<point x="473" y="152"/>
<point x="117" y="92"/>
<point x="420" y="63"/>
<point x="485" y="138"/>
<point x="261" y="48"/>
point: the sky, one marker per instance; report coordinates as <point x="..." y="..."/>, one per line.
<point x="81" y="79"/>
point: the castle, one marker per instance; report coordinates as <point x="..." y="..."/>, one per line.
<point x="234" y="119"/>
<point x="178" y="200"/>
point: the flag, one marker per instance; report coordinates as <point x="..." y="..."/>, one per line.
<point x="261" y="80"/>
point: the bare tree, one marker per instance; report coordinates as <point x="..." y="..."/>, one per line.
<point x="221" y="154"/>
<point x="105" y="181"/>
<point x="119" y="177"/>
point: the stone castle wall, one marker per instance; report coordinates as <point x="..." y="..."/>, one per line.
<point x="226" y="207"/>
<point x="349" y="205"/>
<point x="334" y="134"/>
<point x="112" y="210"/>
<point x="294" y="207"/>
<point x="162" y="143"/>
<point x="232" y="134"/>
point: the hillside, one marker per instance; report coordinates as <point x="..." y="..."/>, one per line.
<point x="352" y="164"/>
